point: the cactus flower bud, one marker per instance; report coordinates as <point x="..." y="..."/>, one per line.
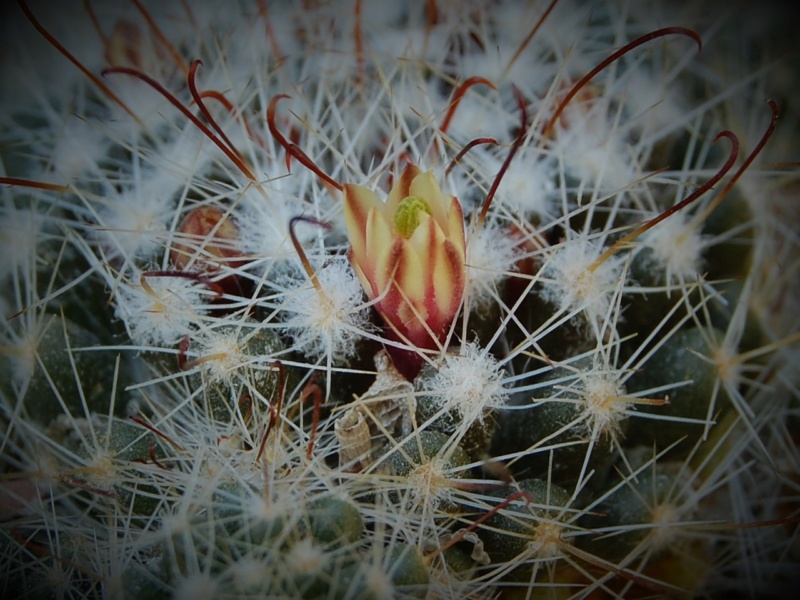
<point x="409" y="254"/>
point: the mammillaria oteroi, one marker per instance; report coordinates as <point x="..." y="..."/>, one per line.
<point x="500" y="303"/>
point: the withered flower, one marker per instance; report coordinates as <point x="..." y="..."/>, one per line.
<point x="207" y="244"/>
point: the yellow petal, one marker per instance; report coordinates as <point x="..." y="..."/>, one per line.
<point x="357" y="203"/>
<point x="417" y="281"/>
<point x="455" y="226"/>
<point x="425" y="185"/>
<point x="410" y="277"/>
<point x="379" y="258"/>
<point x="448" y="280"/>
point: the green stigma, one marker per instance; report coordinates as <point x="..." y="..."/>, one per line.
<point x="406" y="219"/>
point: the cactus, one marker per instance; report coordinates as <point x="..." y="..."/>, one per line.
<point x="566" y="370"/>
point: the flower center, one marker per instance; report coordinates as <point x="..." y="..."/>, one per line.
<point x="406" y="219"/>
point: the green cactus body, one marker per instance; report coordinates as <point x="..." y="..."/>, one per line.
<point x="687" y="356"/>
<point x="528" y="530"/>
<point x="68" y="371"/>
<point x="554" y="418"/>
